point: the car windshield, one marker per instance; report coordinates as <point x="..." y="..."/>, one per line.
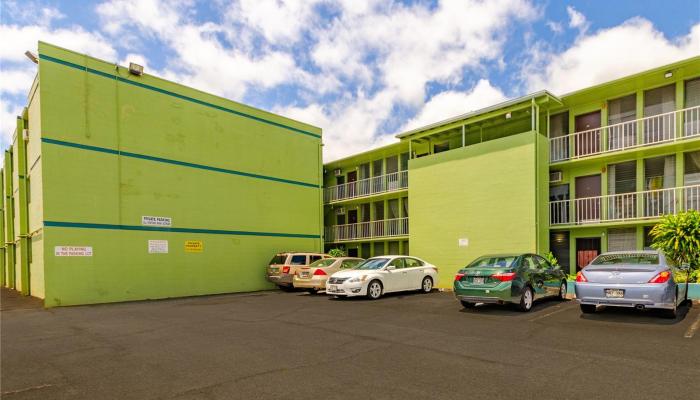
<point x="373" y="263"/>
<point x="630" y="258"/>
<point x="493" y="262"/>
<point x="278" y="259"/>
<point x="322" y="263"/>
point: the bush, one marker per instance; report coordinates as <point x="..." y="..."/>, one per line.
<point x="678" y="237"/>
<point x="549" y="256"/>
<point x="336" y="253"/>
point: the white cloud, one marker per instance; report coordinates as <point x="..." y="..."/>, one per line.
<point x="449" y="104"/>
<point x="576" y="19"/>
<point x="608" y="54"/>
<point x="555" y="27"/>
<point x="279" y="21"/>
<point x="16" y="81"/>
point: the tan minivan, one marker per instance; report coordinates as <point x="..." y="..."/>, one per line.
<point x="284" y="266"/>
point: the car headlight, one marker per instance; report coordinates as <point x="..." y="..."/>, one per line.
<point x="357" y="279"/>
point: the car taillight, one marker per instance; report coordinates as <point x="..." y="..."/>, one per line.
<point x="319" y="271"/>
<point x="580" y="277"/>
<point x="285" y="269"/>
<point x="504" y="276"/>
<point x="662" y="277"/>
<point x="459" y="277"/>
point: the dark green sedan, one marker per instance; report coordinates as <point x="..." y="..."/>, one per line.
<point x="509" y="278"/>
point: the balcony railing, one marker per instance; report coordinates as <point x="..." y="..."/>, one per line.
<point x="367" y="230"/>
<point x="367" y="187"/>
<point x="625" y="206"/>
<point x="661" y="128"/>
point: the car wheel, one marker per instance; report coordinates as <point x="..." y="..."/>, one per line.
<point x="526" y="299"/>
<point x="374" y="290"/>
<point x="427" y="284"/>
<point x="588" y="308"/>
<point x="467" y="304"/>
<point x="562" y="291"/>
<point x="673" y="312"/>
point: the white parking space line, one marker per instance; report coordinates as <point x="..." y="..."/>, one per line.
<point x="560" y="309"/>
<point x="693" y="328"/>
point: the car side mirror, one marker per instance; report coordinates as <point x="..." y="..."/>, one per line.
<point x="390" y="268"/>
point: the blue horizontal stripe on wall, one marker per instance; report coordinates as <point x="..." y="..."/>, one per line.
<point x="175" y="162"/>
<point x="177" y="95"/>
<point x="82" y="225"/>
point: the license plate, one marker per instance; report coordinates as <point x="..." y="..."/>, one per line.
<point x="478" y="280"/>
<point x="332" y="288"/>
<point x="304" y="275"/>
<point x="615" y="293"/>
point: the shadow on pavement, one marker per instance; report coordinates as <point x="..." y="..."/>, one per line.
<point x="624" y="315"/>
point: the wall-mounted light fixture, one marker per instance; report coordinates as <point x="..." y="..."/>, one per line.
<point x="135" y="69"/>
<point x="508" y="116"/>
<point x="668" y="74"/>
<point x="32" y="56"/>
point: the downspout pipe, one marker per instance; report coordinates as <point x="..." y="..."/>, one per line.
<point x="22" y="140"/>
<point x="9" y="222"/>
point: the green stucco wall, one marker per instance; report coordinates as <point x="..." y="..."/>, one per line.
<point x="486" y="193"/>
<point x="116" y="147"/>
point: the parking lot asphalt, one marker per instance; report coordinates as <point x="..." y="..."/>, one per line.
<point x="276" y="345"/>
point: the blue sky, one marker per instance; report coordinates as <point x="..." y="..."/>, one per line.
<point x="363" y="70"/>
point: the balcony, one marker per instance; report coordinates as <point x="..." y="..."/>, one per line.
<point x="657" y="129"/>
<point x="386" y="228"/>
<point x="366" y="187"/>
<point x="649" y="204"/>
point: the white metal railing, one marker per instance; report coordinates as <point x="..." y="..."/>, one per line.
<point x="367" y="230"/>
<point x="624" y="206"/>
<point x="645" y="131"/>
<point x="367" y="187"/>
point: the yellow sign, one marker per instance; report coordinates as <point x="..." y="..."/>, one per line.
<point x="194" y="246"/>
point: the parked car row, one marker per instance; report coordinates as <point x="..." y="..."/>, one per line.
<point x="642" y="279"/>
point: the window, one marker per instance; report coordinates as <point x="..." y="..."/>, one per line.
<point x="527" y="262"/>
<point x="378" y="248"/>
<point x="659" y="173"/>
<point x="691" y="173"/>
<point x="364" y="171"/>
<point x="397" y="262"/>
<point x="392" y="164"/>
<point x="326" y="262"/>
<point x="278" y="259"/>
<point x="622" y="177"/>
<point x="349" y="264"/>
<point x="622" y="239"/>
<point x="647" y="237"/>
<point x="691" y="122"/>
<point x="628" y="258"/>
<point x="377" y="167"/>
<point x="659" y="101"/>
<point x="493" y="262"/>
<point x="404" y="161"/>
<point x="298" y="260"/>
<point x="622" y="110"/>
<point x="373" y="263"/>
<point x="314" y="258"/>
<point x="393" y="247"/>
<point x="405" y="206"/>
<point x="542" y="263"/>
<point x="412" y="263"/>
<point x="559" y="125"/>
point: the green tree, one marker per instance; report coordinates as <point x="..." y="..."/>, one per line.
<point x="678" y="237"/>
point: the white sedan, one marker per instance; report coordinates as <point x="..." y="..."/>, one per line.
<point x="378" y="275"/>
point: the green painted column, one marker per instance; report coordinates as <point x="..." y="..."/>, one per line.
<point x="22" y="206"/>
<point x="9" y="222"/>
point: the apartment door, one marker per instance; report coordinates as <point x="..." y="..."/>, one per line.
<point x="340" y="188"/>
<point x="587" y="142"/>
<point x="587" y="201"/>
<point x="659" y="103"/>
<point x="352" y="185"/>
<point x="586" y="250"/>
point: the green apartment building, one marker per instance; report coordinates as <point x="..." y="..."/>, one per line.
<point x="123" y="186"/>
<point x="577" y="174"/>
